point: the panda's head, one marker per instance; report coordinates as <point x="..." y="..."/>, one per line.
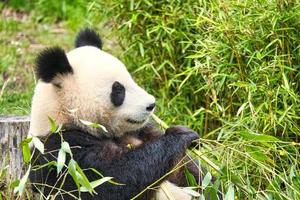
<point x="87" y="84"/>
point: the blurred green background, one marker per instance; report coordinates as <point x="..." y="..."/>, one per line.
<point x="228" y="69"/>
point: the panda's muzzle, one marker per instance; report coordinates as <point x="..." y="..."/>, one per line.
<point x="132" y="121"/>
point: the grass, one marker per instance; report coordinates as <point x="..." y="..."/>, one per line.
<point x="228" y="69"/>
<point x="21" y="39"/>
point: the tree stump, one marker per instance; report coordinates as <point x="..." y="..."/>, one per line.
<point x="13" y="129"/>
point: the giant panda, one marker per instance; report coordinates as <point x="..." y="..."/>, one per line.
<point x="89" y="84"/>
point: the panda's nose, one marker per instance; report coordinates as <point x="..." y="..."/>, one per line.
<point x="150" y="107"/>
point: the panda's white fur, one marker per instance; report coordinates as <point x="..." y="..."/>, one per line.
<point x="86" y="96"/>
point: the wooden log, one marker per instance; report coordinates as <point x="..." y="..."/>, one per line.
<point x="13" y="129"/>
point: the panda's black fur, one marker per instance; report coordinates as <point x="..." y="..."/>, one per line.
<point x="136" y="168"/>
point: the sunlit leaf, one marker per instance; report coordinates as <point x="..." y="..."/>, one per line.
<point x="142" y="52"/>
<point x="93" y="125"/>
<point x="38" y="144"/>
<point x="61" y="159"/>
<point x="96" y="183"/>
<point x="206" y="180"/>
<point x="230" y="193"/>
<point x="202" y="197"/>
<point x="241" y="109"/>
<point x="66" y="147"/>
<point x="110" y="181"/>
<point x="22" y="184"/>
<point x="191" y="192"/>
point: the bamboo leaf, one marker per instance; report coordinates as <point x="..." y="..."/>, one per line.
<point x="72" y="171"/>
<point x="38" y="144"/>
<point x="230" y="193"/>
<point x="96" y="183"/>
<point x="66" y="147"/>
<point x="26" y="150"/>
<point x="83" y="179"/>
<point x="61" y="159"/>
<point x="53" y="125"/>
<point x="206" y="180"/>
<point x="258" y="137"/>
<point x="191" y="192"/>
<point x="190" y="178"/>
<point x="93" y="125"/>
<point x="21" y="186"/>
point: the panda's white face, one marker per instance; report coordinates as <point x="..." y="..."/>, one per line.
<point x="87" y="84"/>
<point x="101" y="90"/>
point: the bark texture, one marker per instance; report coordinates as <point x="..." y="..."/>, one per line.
<point x="13" y="129"/>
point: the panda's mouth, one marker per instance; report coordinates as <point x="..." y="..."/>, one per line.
<point x="132" y="121"/>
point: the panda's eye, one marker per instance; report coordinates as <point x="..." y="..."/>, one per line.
<point x="117" y="95"/>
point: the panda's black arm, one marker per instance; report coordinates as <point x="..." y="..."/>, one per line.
<point x="140" y="167"/>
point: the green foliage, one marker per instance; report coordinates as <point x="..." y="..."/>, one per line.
<point x="243" y="57"/>
<point x="230" y="70"/>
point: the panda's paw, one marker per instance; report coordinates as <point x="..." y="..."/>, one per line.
<point x="184" y="133"/>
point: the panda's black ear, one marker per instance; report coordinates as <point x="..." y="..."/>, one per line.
<point x="88" y="37"/>
<point x="52" y="62"/>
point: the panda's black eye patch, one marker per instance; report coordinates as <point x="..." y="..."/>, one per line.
<point x="117" y="95"/>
